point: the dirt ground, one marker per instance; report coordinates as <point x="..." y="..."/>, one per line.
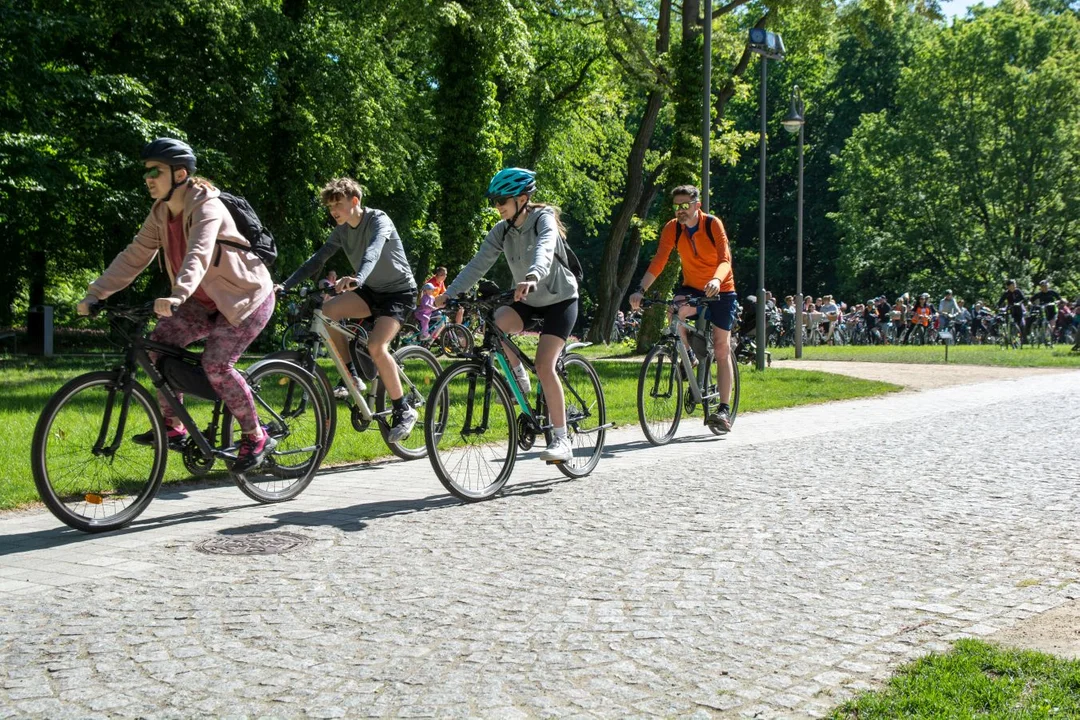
<point x="917" y="377"/>
<point x="1055" y="631"/>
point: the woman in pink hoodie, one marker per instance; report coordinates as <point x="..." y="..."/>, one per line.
<point x="219" y="292"/>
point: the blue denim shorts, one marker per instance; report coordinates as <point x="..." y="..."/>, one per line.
<point x="720" y="310"/>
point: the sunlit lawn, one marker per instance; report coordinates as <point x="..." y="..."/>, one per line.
<point x="26" y="385"/>
<point x="974" y="680"/>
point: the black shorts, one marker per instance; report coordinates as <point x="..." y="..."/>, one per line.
<point x="720" y="310"/>
<point x="556" y="319"/>
<point x="396" y="305"/>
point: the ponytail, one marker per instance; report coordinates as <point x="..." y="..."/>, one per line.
<point x="558" y="215"/>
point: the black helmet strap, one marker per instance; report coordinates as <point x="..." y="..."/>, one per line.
<point x="172" y="181"/>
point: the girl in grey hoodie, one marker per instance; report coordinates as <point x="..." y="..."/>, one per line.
<point x="530" y="236"/>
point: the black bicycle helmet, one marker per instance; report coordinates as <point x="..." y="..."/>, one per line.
<point x="174" y="153"/>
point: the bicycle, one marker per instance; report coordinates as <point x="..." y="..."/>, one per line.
<point x="1008" y="332"/>
<point x="417" y="368"/>
<point x="93" y="477"/>
<point x="1039" y="332"/>
<point x="472" y="434"/>
<point x="660" y="397"/>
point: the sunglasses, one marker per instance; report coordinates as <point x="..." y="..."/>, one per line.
<point x="684" y="205"/>
<point x="152" y="173"/>
<point x="500" y="201"/>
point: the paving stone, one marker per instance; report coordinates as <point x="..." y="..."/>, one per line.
<point x="764" y="574"/>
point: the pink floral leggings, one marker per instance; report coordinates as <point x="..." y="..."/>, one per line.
<point x="224" y="343"/>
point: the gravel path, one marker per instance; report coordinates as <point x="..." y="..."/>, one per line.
<point x="919" y="377"/>
<point x="771" y="573"/>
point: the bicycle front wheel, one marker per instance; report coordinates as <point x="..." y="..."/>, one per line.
<point x="586" y="415"/>
<point x="325" y="397"/>
<point x="87" y="469"/>
<point x="418" y="370"/>
<point x="660" y="395"/>
<point x="471" y="431"/>
<point x="285" y="398"/>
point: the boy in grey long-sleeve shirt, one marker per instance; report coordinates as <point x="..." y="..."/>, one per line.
<point x="382" y="288"/>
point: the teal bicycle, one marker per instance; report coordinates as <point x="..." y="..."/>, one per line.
<point x="477" y="418"/>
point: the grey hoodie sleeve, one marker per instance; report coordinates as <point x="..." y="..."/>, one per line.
<point x="381" y="229"/>
<point x="316" y="261"/>
<point x="547" y="242"/>
<point x="489" y="252"/>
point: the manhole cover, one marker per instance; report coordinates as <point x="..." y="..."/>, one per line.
<point x="266" y="543"/>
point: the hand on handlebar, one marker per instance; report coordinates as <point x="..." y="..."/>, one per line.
<point x="86" y="304"/>
<point x="712" y="288"/>
<point x="345" y="284"/>
<point x="523" y="289"/>
<point x="441" y="300"/>
<point x="165" y="307"/>
<point x="635" y="301"/>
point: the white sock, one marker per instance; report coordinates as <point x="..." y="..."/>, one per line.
<point x="559" y="432"/>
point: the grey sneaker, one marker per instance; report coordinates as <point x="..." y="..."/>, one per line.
<point x="401" y="424"/>
<point x="721" y="420"/>
<point x="559" y="451"/>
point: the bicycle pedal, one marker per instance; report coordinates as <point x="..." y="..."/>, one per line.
<point x="553" y="462"/>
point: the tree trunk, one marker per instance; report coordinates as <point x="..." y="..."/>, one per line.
<point x="617" y="252"/>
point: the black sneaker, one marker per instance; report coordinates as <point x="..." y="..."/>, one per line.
<point x="721" y="420"/>
<point x="401" y="423"/>
<point x="252" y="452"/>
<point x="177" y="438"/>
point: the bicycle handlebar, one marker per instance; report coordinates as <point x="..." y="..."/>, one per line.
<point x="691" y="301"/>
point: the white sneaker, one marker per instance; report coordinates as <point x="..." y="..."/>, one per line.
<point x="558" y="451"/>
<point x="341" y="392"/>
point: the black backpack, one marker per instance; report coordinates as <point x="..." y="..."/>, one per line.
<point x="571" y="262"/>
<point x="250" y="227"/>
<point x="708" y="230"/>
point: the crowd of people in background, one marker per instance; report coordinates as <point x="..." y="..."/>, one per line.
<point x="920" y="319"/>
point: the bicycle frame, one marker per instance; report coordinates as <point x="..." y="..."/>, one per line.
<point x="322" y="327"/>
<point x="495" y="340"/>
<point x="138" y="355"/>
<point x="672" y="331"/>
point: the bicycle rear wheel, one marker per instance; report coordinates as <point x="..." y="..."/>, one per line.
<point x="471" y="431"/>
<point x="418" y="371"/>
<point x="586" y="415"/>
<point x="106" y="490"/>
<point x="283" y="394"/>
<point x="660" y="395"/>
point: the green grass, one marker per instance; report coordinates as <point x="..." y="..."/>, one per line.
<point x="1059" y="356"/>
<point x="27" y="384"/>
<point x="975" y="680"/>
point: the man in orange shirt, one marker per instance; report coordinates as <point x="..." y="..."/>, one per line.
<point x="706" y="267"/>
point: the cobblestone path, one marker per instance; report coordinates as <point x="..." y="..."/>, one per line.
<point x="772" y="573"/>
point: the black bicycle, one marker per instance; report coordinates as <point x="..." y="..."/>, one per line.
<point x="94" y="477"/>
<point x="478" y="418"/>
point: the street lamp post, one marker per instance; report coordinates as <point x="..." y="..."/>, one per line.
<point x="706" y="119"/>
<point x="769" y="46"/>
<point x="793" y="123"/>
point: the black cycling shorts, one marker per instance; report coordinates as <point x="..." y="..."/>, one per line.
<point x="720" y="310"/>
<point x="556" y="319"/>
<point x="396" y="305"/>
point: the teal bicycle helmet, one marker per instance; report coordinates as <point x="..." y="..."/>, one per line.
<point x="511" y="182"/>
